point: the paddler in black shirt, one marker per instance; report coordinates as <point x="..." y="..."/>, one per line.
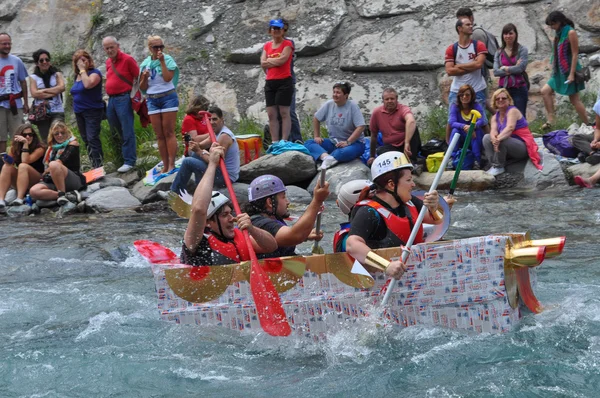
<point x="388" y="218"/>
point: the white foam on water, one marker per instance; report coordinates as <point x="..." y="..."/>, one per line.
<point x="559" y="391"/>
<point x="80" y="261"/>
<point x="439" y="392"/>
<point x="98" y="322"/>
<point x="134" y="260"/>
<point x="189" y="374"/>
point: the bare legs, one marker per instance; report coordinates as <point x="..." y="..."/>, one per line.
<point x="164" y="127"/>
<point x="548" y="95"/>
<point x="27" y="176"/>
<point x="8" y="178"/>
<point x="59" y="175"/>
<point x="286" y="122"/>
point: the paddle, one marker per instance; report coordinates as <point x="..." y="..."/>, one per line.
<point x="316" y="248"/>
<point x="271" y="315"/>
<point x="155" y="252"/>
<point x="415" y="229"/>
<point x="474" y="116"/>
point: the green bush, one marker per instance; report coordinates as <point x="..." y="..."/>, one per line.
<point x="434" y="124"/>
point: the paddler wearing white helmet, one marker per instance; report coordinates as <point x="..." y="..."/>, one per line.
<point x="221" y="243"/>
<point x="349" y="194"/>
<point x="386" y="220"/>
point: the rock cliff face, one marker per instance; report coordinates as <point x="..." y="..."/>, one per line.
<point x="370" y="43"/>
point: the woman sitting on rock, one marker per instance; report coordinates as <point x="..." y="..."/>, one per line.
<point x="47" y="85"/>
<point x="345" y="124"/>
<point x="510" y="137"/>
<point x="459" y="119"/>
<point x="193" y="124"/>
<point x="23" y="165"/>
<point x="510" y="63"/>
<point x="62" y="167"/>
<point x="88" y="104"/>
<point x="160" y="75"/>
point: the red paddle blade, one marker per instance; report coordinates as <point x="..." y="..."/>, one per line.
<point x="155" y="252"/>
<point x="271" y="315"/>
<point x="526" y="292"/>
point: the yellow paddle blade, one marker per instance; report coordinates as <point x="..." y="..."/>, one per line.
<point x="178" y="205"/>
<point x="200" y="284"/>
<point x="340" y="265"/>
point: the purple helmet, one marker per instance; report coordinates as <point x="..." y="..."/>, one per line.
<point x="265" y="186"/>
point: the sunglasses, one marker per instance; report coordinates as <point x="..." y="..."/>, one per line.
<point x="158" y="47"/>
<point x="275" y="28"/>
<point x="501" y="98"/>
<point x="57" y="133"/>
<point x="44" y="60"/>
<point x="27" y="134"/>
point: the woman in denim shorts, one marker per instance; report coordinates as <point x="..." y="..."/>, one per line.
<point x="159" y="78"/>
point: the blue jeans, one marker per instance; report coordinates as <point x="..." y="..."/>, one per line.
<point x="120" y="119"/>
<point x="520" y="96"/>
<point x="88" y="123"/>
<point x="476" y="144"/>
<point x="194" y="164"/>
<point x="342" y="155"/>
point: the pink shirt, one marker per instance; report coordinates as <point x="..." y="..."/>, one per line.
<point x="392" y="125"/>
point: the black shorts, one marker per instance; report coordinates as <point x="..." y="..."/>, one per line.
<point x="279" y="92"/>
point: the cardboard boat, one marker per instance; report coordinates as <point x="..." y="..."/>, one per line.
<point x="479" y="284"/>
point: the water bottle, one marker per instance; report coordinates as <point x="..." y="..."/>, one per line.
<point x="28" y="200"/>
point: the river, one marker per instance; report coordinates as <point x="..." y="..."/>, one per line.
<point x="78" y="318"/>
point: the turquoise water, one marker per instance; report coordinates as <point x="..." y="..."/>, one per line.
<point x="78" y="318"/>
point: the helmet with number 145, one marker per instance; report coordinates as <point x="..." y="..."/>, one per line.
<point x="389" y="161"/>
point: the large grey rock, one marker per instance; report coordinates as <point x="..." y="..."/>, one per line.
<point x="550" y="176"/>
<point x="386" y="8"/>
<point x="595" y="60"/>
<point x="371" y="52"/>
<point x="468" y="180"/>
<point x="9" y="9"/>
<point x="298" y="195"/>
<point x="340" y="174"/>
<point x="291" y="167"/>
<point x="19" y="211"/>
<point x="241" y="192"/>
<point x="585" y="170"/>
<point x="130" y="177"/>
<point x="111" y="198"/>
<point x="147" y="194"/>
<point x="66" y="209"/>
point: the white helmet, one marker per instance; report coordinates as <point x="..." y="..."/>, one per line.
<point x="217" y="201"/>
<point x="389" y="161"/>
<point x="349" y="192"/>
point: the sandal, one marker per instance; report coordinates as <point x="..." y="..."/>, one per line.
<point x="547" y="126"/>
<point x="582" y="182"/>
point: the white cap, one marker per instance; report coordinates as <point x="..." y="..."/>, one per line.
<point x="389" y="161"/>
<point x="349" y="192"/>
<point x="217" y="201"/>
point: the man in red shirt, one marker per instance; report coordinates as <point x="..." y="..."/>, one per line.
<point x="397" y="126"/>
<point x="121" y="73"/>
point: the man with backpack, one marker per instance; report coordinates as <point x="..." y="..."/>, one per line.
<point x="490" y="41"/>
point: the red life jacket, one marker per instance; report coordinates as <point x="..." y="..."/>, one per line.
<point x="399" y="226"/>
<point x="236" y="250"/>
<point x="339" y="235"/>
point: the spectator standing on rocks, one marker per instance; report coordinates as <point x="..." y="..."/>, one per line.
<point x="159" y="79"/>
<point x="13" y="90"/>
<point x="268" y="207"/>
<point x="121" y="74"/>
<point x="564" y="64"/>
<point x="23" y="167"/>
<point x="47" y="85"/>
<point x="198" y="162"/>
<point x="397" y="126"/>
<point x="345" y="125"/>
<point x="464" y="62"/>
<point x="276" y="60"/>
<point x="62" y="172"/>
<point x="510" y="136"/>
<point x="510" y="63"/>
<point x="88" y="104"/>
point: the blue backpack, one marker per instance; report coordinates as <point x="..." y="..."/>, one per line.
<point x="558" y="143"/>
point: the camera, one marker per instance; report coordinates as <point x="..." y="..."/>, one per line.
<point x="47" y="178"/>
<point x="187" y="137"/>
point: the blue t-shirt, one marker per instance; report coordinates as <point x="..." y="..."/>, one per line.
<point x="84" y="99"/>
<point x="12" y="73"/>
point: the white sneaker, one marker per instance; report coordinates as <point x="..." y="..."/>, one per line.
<point x="496" y="171"/>
<point x="328" y="162"/>
<point x="125" y="168"/>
